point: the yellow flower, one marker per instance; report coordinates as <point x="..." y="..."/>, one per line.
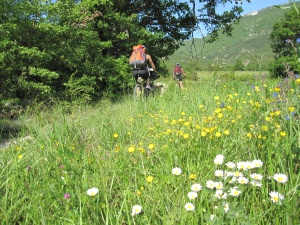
<point x="186" y="123"/>
<point x="248" y="93"/>
<point x="249" y="135"/>
<point x="268" y="118"/>
<point x="297" y="81"/>
<point x="292" y="109"/>
<point x="183" y="113"/>
<point x="217" y="110"/>
<point x="185" y="136"/>
<point x="233" y="121"/>
<point x="216" y="98"/>
<point x="277" y="89"/>
<point x="283" y="133"/>
<point x="131" y="149"/>
<point x="20" y="156"/>
<point x="151" y="146"/>
<point x="116" y="135"/>
<point x="226" y="132"/>
<point x="193" y="176"/>
<point x="141" y="149"/>
<point x="203" y="133"/>
<point x="181" y="120"/>
<point x="220" y="115"/>
<point x="201" y="106"/>
<point x="138" y="192"/>
<point x="218" y="134"/>
<point x="149" y="179"/>
<point x="277" y="112"/>
<point x="264" y="128"/>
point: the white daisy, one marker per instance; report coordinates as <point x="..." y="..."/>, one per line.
<point x="256" y="183"/>
<point x="219" y="173"/>
<point x="92" y="191"/>
<point x="192" y="195"/>
<point x="219" y="194"/>
<point x="276" y="197"/>
<point x="256" y="176"/>
<point x="189" y="207"/>
<point x="234" y="191"/>
<point x="196" y="187"/>
<point x="210" y="184"/>
<point x="230" y="165"/>
<point x="238" y="174"/>
<point x="228" y="174"/>
<point x="226" y="207"/>
<point x="176" y="171"/>
<point x="136" y="209"/>
<point x="256" y="163"/>
<point x="218" y="185"/>
<point x="243" y="180"/>
<point x="242" y="165"/>
<point x="219" y="160"/>
<point x="281" y="178"/>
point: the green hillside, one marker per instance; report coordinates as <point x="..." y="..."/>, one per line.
<point x="248" y="48"/>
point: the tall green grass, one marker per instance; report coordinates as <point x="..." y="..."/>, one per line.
<point x="127" y="150"/>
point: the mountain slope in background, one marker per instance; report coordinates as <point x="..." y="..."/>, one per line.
<point x="247" y="49"/>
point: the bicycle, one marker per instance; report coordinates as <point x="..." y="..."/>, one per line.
<point x="140" y="88"/>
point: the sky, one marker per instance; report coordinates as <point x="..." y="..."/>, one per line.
<point x="248" y="7"/>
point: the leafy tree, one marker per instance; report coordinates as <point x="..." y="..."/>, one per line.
<point x="284" y="36"/>
<point x="239" y="66"/>
<point x="74" y="49"/>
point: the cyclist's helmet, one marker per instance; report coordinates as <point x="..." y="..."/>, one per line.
<point x="177" y="64"/>
<point x="144" y="48"/>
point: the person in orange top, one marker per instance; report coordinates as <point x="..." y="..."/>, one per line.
<point x="144" y="72"/>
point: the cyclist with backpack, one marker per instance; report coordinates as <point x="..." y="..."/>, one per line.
<point x="177" y="74"/>
<point x="139" y="60"/>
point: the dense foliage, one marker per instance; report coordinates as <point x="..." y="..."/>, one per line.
<point x="284" y="44"/>
<point x="78" y="50"/>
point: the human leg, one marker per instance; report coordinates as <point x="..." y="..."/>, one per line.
<point x="180" y="81"/>
<point x="180" y="84"/>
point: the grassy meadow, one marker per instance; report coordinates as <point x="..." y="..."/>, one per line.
<point x="225" y="150"/>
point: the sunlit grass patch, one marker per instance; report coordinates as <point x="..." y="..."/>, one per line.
<point x="224" y="153"/>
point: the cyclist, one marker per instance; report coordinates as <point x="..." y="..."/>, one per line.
<point x="177" y="73"/>
<point x="144" y="72"/>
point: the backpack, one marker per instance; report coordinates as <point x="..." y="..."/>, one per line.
<point x="138" y="57"/>
<point x="177" y="70"/>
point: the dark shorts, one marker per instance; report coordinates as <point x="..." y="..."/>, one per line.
<point x="143" y="73"/>
<point x="178" y="77"/>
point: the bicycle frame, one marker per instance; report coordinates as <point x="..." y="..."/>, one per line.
<point x="140" y="86"/>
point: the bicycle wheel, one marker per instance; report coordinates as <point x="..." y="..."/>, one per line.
<point x="147" y="92"/>
<point x="137" y="92"/>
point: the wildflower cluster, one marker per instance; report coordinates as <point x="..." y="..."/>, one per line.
<point x="231" y="180"/>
